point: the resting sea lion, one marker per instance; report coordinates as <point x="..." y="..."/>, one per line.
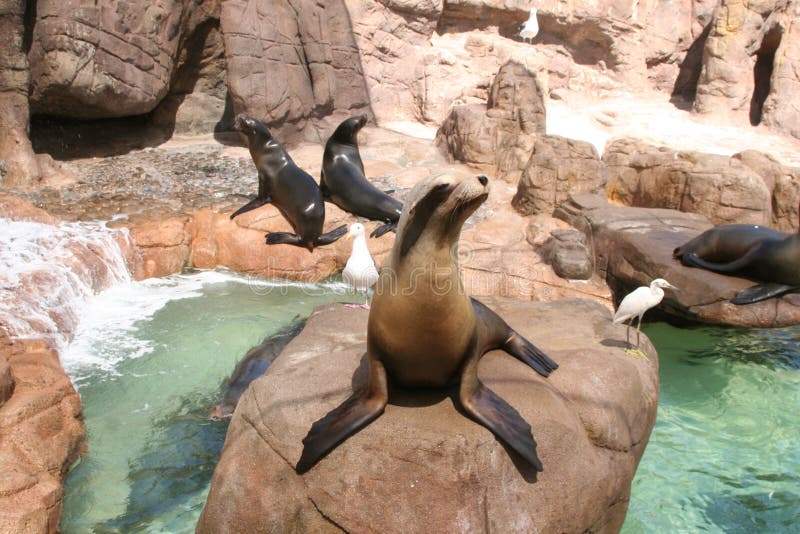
<point x="424" y="331"/>
<point x="293" y="191"/>
<point x="752" y="251"/>
<point x="344" y="183"/>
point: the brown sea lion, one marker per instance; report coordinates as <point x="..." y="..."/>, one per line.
<point x="425" y="332"/>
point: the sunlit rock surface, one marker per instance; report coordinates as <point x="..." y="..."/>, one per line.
<point x="423" y="466"/>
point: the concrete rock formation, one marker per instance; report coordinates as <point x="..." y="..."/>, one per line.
<point x="633" y="246"/>
<point x="566" y="251"/>
<point x="557" y="167"/>
<point x="501" y="134"/>
<point x="723" y="189"/>
<point x="43" y="408"/>
<point x="422" y="466"/>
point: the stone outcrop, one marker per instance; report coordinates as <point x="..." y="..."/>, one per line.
<point x="566" y="251"/>
<point x="783" y="183"/>
<point x="291" y="60"/>
<point x="633" y="246"/>
<point x="41" y="435"/>
<point x="750" y="63"/>
<point x="422" y="466"/>
<point x="501" y="134"/>
<point x="557" y="167"/>
<point x="723" y="189"/>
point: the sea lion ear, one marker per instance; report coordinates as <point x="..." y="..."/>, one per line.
<point x="421" y="213"/>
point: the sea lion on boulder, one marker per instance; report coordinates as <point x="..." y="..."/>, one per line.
<point x="425" y="332"/>
<point x="344" y="183"/>
<point x="292" y="190"/>
<point x="753" y="251"/>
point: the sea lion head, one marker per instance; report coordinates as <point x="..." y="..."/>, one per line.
<point x="436" y="209"/>
<point x="347" y="131"/>
<point x="251" y="127"/>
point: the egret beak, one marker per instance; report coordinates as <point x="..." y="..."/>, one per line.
<point x="674" y="288"/>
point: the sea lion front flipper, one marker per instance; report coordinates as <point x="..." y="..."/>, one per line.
<point x="512" y="341"/>
<point x="361" y="408"/>
<point x="760" y="292"/>
<point x="330" y="237"/>
<point x="284" y="238"/>
<point x="379" y="231"/>
<point x="487" y="408"/>
<point x="253" y="204"/>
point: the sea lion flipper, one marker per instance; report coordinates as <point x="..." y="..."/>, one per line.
<point x="761" y="292"/>
<point x="379" y="231"/>
<point x="511" y="341"/>
<point x="283" y="238"/>
<point x="253" y="204"/>
<point x="361" y="408"/>
<point x="528" y="353"/>
<point x="330" y="237"/>
<point x="490" y="410"/>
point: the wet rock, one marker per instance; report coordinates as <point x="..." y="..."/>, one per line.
<point x="633" y="246"/>
<point x="723" y="189"/>
<point x="557" y="167"/>
<point x="591" y="420"/>
<point x="502" y="133"/>
<point x="566" y="251"/>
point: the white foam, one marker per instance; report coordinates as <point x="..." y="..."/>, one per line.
<point x="48" y="272"/>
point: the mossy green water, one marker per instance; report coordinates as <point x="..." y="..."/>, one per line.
<point x="150" y="357"/>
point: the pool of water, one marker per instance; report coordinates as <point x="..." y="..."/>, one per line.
<point x="724" y="455"/>
<point x="149" y="357"/>
<point x="148" y="360"/>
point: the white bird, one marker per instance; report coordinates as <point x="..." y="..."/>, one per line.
<point x="360" y="271"/>
<point x="530" y="28"/>
<point x="639" y="301"/>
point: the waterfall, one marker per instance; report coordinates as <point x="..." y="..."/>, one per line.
<point x="49" y="272"/>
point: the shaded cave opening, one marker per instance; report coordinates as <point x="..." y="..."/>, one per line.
<point x="762" y="73"/>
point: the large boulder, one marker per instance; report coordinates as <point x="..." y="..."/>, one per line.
<point x="722" y="188"/>
<point x="633" y="246"/>
<point x="423" y="466"/>
<point x="783" y="183"/>
<point x="557" y="167"/>
<point x="291" y="60"/>
<point x="502" y="134"/>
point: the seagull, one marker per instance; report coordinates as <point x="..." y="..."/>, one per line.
<point x="360" y="271"/>
<point x="639" y="301"/>
<point x="530" y="27"/>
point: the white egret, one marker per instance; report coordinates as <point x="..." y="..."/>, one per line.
<point x="360" y="271"/>
<point x="530" y="28"/>
<point x="639" y="301"/>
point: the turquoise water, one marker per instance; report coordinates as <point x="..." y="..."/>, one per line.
<point x="724" y="455"/>
<point x="148" y="362"/>
<point x="149" y="359"/>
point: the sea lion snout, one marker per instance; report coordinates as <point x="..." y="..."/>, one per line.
<point x="483" y="179"/>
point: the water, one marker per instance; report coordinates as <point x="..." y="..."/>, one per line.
<point x="148" y="360"/>
<point x="724" y="455"/>
<point x="48" y="272"/>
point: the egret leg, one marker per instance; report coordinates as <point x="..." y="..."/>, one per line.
<point x="638" y="326"/>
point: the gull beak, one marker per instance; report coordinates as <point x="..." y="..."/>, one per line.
<point x="348" y="236"/>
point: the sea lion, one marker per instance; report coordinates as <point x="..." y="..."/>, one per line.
<point x="425" y="332"/>
<point x="343" y="182"/>
<point x="753" y="251"/>
<point x="254" y="364"/>
<point x="282" y="183"/>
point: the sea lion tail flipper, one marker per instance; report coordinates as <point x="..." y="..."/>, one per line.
<point x="379" y="231"/>
<point x="330" y="237"/>
<point x="253" y="204"/>
<point x="487" y="408"/>
<point x="360" y="409"/>
<point x="761" y="292"/>
<point x="527" y="352"/>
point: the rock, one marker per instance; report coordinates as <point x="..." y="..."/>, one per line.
<point x="291" y="60"/>
<point x="723" y="189"/>
<point x="163" y="246"/>
<point x="6" y="381"/>
<point x="502" y="134"/>
<point x="634" y="245"/>
<point x="784" y="184"/>
<point x="566" y="251"/>
<point x="591" y="420"/>
<point x="780" y="111"/>
<point x="41" y="435"/>
<point x="557" y="167"/>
